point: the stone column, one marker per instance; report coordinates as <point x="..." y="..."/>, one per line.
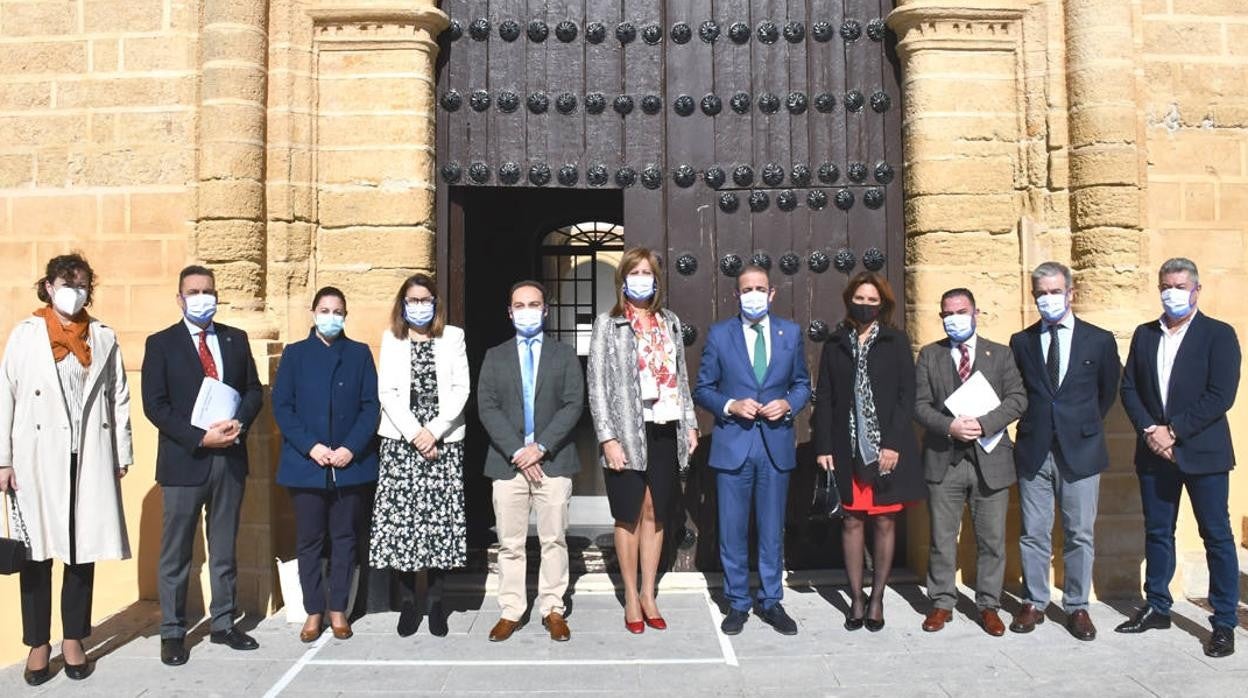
<point x="229" y="232"/>
<point x="1108" y="245"/>
<point x="963" y="129"/>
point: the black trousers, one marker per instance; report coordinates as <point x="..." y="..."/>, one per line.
<point x="326" y="516"/>
<point x="77" y="587"/>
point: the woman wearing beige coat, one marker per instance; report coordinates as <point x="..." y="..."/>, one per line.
<point x="64" y="445"/>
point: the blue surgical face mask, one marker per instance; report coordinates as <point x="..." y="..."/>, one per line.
<point x="754" y="304"/>
<point x="528" y="321"/>
<point x="1052" y="306"/>
<point x="639" y="287"/>
<point x="419" y="314"/>
<point x="200" y="307"/>
<point x="960" y="327"/>
<point x="1177" y="302"/>
<point x="329" y="324"/>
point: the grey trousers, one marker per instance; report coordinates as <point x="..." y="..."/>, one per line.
<point x="221" y="496"/>
<point x="946" y="501"/>
<point x="1077" y="499"/>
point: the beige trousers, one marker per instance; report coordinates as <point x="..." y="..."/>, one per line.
<point x="513" y="499"/>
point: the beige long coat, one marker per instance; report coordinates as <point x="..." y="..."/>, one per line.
<point x="35" y="440"/>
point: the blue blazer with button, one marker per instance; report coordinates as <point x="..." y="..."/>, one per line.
<point x="1072" y="415"/>
<point x="326" y="394"/>
<point x="727" y="374"/>
<point x="1203" y="384"/>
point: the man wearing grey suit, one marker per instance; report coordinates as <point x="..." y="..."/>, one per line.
<point x="529" y="396"/>
<point x="958" y="467"/>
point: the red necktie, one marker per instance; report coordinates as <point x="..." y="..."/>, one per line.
<point x="205" y="357"/>
<point x="964" y="365"/>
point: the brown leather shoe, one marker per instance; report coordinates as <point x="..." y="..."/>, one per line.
<point x="991" y="622"/>
<point x="558" y="627"/>
<point x="312" y="629"/>
<point x="1027" y="619"/>
<point x="936" y="619"/>
<point x="1080" y="625"/>
<point x="342" y="632"/>
<point x="503" y="629"/>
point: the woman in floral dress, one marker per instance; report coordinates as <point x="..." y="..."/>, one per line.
<point x="418" y="516"/>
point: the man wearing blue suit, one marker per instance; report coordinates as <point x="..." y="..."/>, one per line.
<point x="1181" y="377"/>
<point x="1071" y="370"/>
<point x="753" y="378"/>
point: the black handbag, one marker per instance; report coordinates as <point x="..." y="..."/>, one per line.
<point x="13" y="551"/>
<point x="826" y="503"/>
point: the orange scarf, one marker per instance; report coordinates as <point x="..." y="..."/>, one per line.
<point x="70" y="338"/>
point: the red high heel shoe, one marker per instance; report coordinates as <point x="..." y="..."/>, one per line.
<point x="656" y="622"/>
<point x="635" y="627"/>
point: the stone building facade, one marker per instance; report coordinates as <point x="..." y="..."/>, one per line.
<point x="290" y="145"/>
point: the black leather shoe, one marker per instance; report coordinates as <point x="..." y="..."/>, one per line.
<point x="1146" y="618"/>
<point x="235" y="639"/>
<point x="1221" y="643"/>
<point x="778" y="619"/>
<point x="437" y="620"/>
<point x="173" y="652"/>
<point x="37" y="677"/>
<point x="409" y="621"/>
<point x="78" y="672"/>
<point x="734" y="622"/>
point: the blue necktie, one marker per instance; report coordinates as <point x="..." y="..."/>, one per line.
<point x="526" y="380"/>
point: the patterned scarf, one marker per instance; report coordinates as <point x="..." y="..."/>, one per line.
<point x="864" y="399"/>
<point x="656" y="364"/>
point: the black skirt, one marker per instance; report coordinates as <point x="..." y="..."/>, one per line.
<point x="627" y="488"/>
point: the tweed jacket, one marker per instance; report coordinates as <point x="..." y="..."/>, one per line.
<point x="615" y="393"/>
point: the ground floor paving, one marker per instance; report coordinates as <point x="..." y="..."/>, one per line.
<point x="691" y="658"/>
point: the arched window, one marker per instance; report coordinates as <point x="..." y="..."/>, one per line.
<point x="578" y="270"/>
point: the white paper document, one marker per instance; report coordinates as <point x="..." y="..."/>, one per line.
<point x="976" y="398"/>
<point x="217" y="401"/>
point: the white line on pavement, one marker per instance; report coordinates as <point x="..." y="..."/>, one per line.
<point x="298" y="666"/>
<point x="725" y="645"/>
<point x="506" y="662"/>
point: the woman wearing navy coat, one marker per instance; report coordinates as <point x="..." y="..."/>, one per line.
<point x="325" y="403"/>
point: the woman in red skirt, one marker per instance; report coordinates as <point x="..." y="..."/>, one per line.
<point x="863" y="432"/>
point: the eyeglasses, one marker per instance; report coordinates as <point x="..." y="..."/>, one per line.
<point x="426" y="301"/>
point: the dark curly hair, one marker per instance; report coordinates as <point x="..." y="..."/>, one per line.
<point x="67" y="267"/>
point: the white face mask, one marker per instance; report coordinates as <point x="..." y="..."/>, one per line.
<point x="200" y="307"/>
<point x="419" y="314"/>
<point x="639" y="287"/>
<point x="1177" y="302"/>
<point x="69" y="301"/>
<point x="754" y="304"/>
<point x="1052" y="306"/>
<point x="528" y="321"/>
<point x="959" y="327"/>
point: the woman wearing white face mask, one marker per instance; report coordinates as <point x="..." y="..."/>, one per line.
<point x="325" y="404"/>
<point x="418" y="514"/>
<point x="64" y="446"/>
<point x="643" y="415"/>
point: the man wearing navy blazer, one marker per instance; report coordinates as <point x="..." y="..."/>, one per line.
<point x="1071" y="369"/>
<point x="198" y="469"/>
<point x="753" y="378"/>
<point x="1181" y="377"/>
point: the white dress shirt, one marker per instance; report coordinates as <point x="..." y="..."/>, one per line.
<point x="956" y="352"/>
<point x="1065" y="334"/>
<point x="747" y="329"/>
<point x="214" y="345"/>
<point x="1167" y="350"/>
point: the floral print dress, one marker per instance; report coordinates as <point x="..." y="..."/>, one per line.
<point x="418" y="516"/>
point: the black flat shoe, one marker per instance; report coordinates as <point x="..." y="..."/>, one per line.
<point x="235" y="639"/>
<point x="437" y="620"/>
<point x="1145" y="619"/>
<point x="173" y="652"/>
<point x="409" y="622"/>
<point x="1221" y="643"/>
<point x="37" y="677"/>
<point x="78" y="672"/>
<point x="733" y="623"/>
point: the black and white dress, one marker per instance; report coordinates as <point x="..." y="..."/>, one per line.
<point x="418" y="516"/>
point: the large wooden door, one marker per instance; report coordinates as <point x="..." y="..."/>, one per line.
<point x="740" y="131"/>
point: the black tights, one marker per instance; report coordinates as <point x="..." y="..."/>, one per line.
<point x="853" y="540"/>
<point x="435" y="584"/>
